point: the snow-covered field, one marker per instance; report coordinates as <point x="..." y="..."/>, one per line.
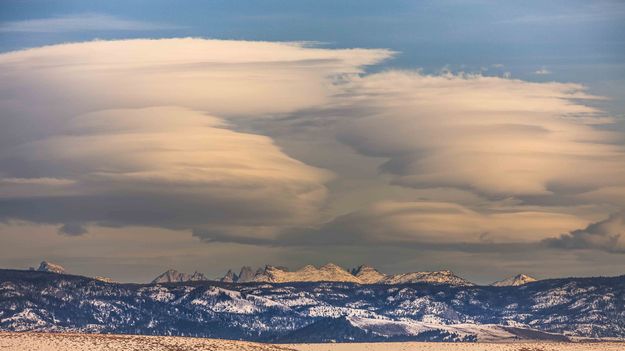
<point x="94" y="342"/>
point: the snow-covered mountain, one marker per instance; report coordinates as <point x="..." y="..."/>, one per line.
<point x="173" y="276"/>
<point x="438" y="277"/>
<point x="46" y="266"/>
<point x="328" y="272"/>
<point x="315" y="311"/>
<point x="520" y="279"/>
<point x="333" y="273"/>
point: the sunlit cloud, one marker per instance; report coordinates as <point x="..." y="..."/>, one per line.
<point x="178" y="134"/>
<point x="497" y="137"/>
<point x="138" y="136"/>
<point x="438" y="223"/>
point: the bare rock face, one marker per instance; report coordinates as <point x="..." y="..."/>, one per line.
<point x="329" y="272"/>
<point x="520" y="279"/>
<point x="46" y="266"/>
<point x="173" y="276"/>
<point x="246" y="274"/>
<point x="438" y="277"/>
<point x="368" y="275"/>
<point x="230" y="277"/>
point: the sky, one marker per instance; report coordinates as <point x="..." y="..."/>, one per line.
<point x="478" y="136"/>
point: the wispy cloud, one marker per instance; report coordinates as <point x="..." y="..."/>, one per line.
<point x="80" y="22"/>
<point x="542" y="71"/>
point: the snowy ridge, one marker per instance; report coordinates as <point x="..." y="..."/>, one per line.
<point x="438" y="277"/>
<point x="315" y="311"/>
<point x="46" y="266"/>
<point x="520" y="279"/>
<point x="331" y="272"/>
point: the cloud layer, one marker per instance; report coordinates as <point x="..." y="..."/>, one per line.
<point x="607" y="235"/>
<point x="438" y="224"/>
<point x="498" y="137"/>
<point x="178" y="134"/>
<point x="133" y="133"/>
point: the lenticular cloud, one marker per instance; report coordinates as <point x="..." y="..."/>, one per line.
<point x="135" y="133"/>
<point x="167" y="133"/>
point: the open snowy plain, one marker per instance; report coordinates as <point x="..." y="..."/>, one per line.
<point x="95" y="342"/>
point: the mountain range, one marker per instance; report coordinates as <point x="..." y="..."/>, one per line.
<point x="304" y="311"/>
<point x="329" y="272"/>
<point x="333" y="273"/>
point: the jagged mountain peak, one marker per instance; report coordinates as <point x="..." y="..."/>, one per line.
<point x="46" y="266"/>
<point x="246" y="274"/>
<point x="519" y="279"/>
<point x="331" y="266"/>
<point x="174" y="276"/>
<point x="230" y="277"/>
<point x="308" y="273"/>
<point x="364" y="274"/>
<point x="367" y="274"/>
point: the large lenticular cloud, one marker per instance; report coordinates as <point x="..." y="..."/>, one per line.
<point x="498" y="137"/>
<point x="535" y="158"/>
<point x="174" y="134"/>
<point x="133" y="133"/>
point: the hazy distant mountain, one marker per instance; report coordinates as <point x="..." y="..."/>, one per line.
<point x="230" y="277"/>
<point x="46" y="266"/>
<point x="517" y="280"/>
<point x="334" y="273"/>
<point x="173" y="276"/>
<point x="315" y="311"/>
<point x="246" y="275"/>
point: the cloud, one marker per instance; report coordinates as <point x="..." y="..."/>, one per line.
<point x="499" y="138"/>
<point x="438" y="225"/>
<point x="139" y="133"/>
<point x="79" y="23"/>
<point x="181" y="134"/>
<point x="169" y="167"/>
<point x="542" y="71"/>
<point x="606" y="235"/>
<point x="72" y="229"/>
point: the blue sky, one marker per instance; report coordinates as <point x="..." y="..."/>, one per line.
<point x="575" y="40"/>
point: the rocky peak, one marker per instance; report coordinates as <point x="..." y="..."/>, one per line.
<point x="367" y="274"/>
<point x="519" y="279"/>
<point x="46" y="266"/>
<point x="230" y="277"/>
<point x="173" y="276"/>
<point x="437" y="277"/>
<point x="245" y="275"/>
